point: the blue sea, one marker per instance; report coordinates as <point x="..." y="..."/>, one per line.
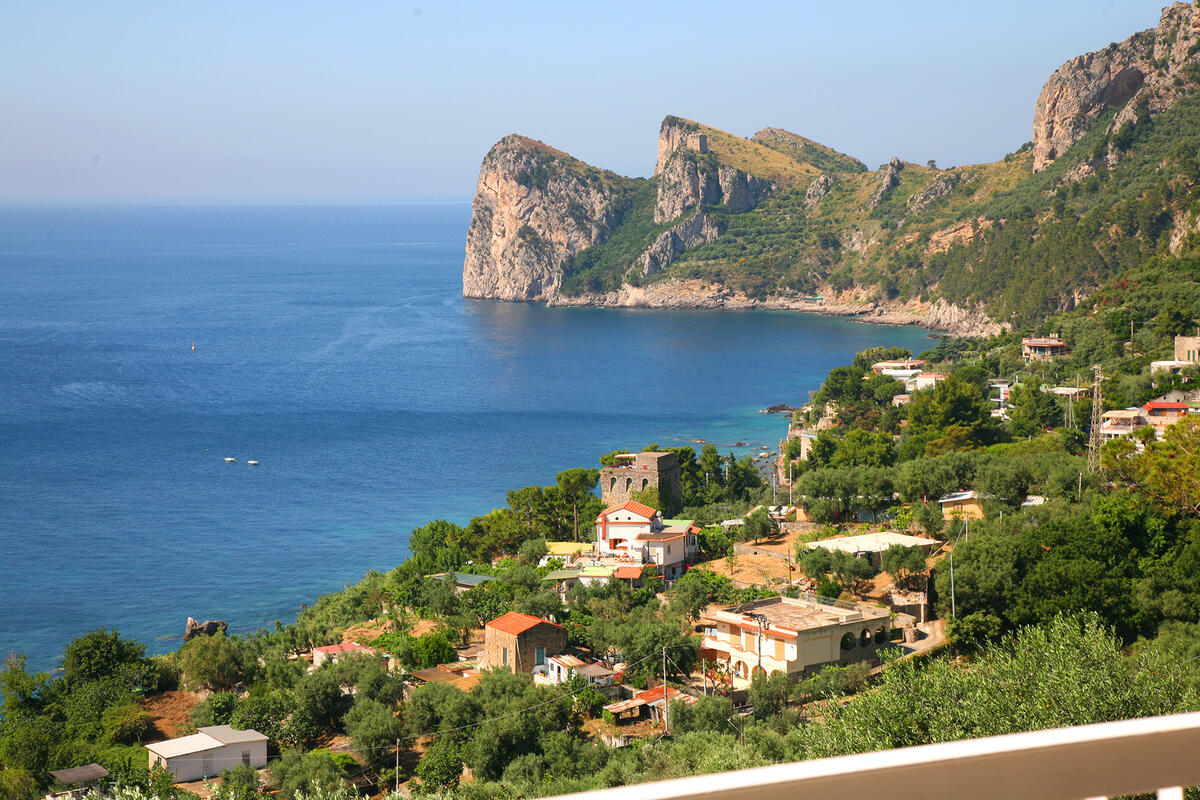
<point x="332" y="345"/>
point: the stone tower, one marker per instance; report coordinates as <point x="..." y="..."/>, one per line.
<point x="636" y="472"/>
<point x="698" y="142"/>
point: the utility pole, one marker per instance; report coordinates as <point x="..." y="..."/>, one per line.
<point x="397" y="766"/>
<point x="952" y="607"/>
<point x="666" y="703"/>
<point x="1093" y="463"/>
<point x="790" y="482"/>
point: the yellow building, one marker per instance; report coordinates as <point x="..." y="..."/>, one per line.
<point x="792" y="635"/>
<point x="961" y="505"/>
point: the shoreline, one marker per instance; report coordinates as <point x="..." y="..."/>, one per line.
<point x="937" y="316"/>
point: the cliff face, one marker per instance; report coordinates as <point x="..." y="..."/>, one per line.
<point x="534" y="208"/>
<point x="691" y="175"/>
<point x="1143" y="74"/>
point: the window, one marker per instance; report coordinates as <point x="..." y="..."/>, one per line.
<point x="539" y="656"/>
<point x="504" y="656"/>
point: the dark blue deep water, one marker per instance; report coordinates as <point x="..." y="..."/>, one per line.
<point x="332" y="345"/>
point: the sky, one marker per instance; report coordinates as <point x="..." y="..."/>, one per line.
<point x="162" y="101"/>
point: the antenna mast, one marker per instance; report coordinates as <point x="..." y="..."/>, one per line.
<point x="1093" y="463"/>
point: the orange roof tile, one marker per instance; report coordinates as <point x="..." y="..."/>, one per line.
<point x="628" y="573"/>
<point x="1164" y="405"/>
<point x="631" y="505"/>
<point x="345" y="647"/>
<point x="516" y="623"/>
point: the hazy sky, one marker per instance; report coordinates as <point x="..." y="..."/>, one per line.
<point x="362" y="101"/>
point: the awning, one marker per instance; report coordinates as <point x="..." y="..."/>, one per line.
<point x="88" y="772"/>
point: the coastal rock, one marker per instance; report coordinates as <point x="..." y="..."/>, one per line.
<point x="689" y="179"/>
<point x="692" y="293"/>
<point x="820" y="187"/>
<point x="1145" y="74"/>
<point x="209" y="627"/>
<point x="700" y="228"/>
<point x="534" y="208"/>
<point x="889" y="178"/>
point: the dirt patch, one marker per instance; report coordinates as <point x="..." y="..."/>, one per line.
<point x="169" y="713"/>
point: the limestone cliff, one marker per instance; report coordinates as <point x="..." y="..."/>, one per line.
<point x="1145" y="74"/>
<point x="534" y="208"/>
<point x="692" y="173"/>
<point x="700" y="228"/>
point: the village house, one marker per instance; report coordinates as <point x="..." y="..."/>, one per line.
<point x="208" y="752"/>
<point x="1043" y="348"/>
<point x="452" y="675"/>
<point x="653" y="699"/>
<point x="902" y="369"/>
<point x="1121" y="422"/>
<point x="923" y="380"/>
<point x="461" y="581"/>
<point x="1187" y="348"/>
<point x="563" y="580"/>
<point x="872" y="546"/>
<point x="521" y="642"/>
<point x="962" y="505"/>
<point x="792" y="635"/>
<point x="334" y="652"/>
<point x="634" y="533"/>
<point x="561" y="668"/>
<point x="1162" y="414"/>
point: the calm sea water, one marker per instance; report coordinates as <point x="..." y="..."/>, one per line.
<point x="332" y="345"/>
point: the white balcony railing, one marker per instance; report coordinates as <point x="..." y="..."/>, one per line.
<point x="1156" y="754"/>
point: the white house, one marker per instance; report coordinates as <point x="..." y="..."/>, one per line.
<point x="561" y="668"/>
<point x="634" y="532"/>
<point x="207" y="753"/>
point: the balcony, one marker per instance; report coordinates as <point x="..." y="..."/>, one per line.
<point x="1156" y="754"/>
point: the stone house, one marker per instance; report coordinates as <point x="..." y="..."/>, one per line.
<point x="521" y="642"/>
<point x="1187" y="348"/>
<point x="637" y="472"/>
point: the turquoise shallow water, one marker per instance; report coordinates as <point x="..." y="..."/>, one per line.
<point x="332" y="345"/>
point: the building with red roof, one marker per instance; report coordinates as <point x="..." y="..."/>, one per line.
<point x="332" y="652"/>
<point x="1163" y="413"/>
<point x="635" y="533"/>
<point x="521" y="642"/>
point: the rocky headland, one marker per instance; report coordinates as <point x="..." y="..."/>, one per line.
<point x="778" y="221"/>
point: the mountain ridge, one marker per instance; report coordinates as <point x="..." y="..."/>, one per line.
<point x="775" y="220"/>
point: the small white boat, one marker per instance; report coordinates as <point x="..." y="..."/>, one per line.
<point x="230" y="460"/>
<point x="252" y="463"/>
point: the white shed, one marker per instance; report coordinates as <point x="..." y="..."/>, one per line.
<point x="207" y="753"/>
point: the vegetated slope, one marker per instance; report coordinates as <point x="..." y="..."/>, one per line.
<point x="806" y="151"/>
<point x="775" y="219"/>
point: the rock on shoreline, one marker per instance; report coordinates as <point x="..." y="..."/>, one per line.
<point x="939" y="315"/>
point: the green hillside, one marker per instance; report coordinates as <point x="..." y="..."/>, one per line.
<point x="806" y="151"/>
<point x="1023" y="244"/>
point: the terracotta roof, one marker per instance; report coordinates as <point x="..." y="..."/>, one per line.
<point x="655" y="695"/>
<point x="344" y="647"/>
<point x="631" y="505"/>
<point x="628" y="573"/>
<point x="1164" y="405"/>
<point x="516" y="623"/>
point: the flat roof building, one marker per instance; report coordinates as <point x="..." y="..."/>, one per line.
<point x="793" y="635"/>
